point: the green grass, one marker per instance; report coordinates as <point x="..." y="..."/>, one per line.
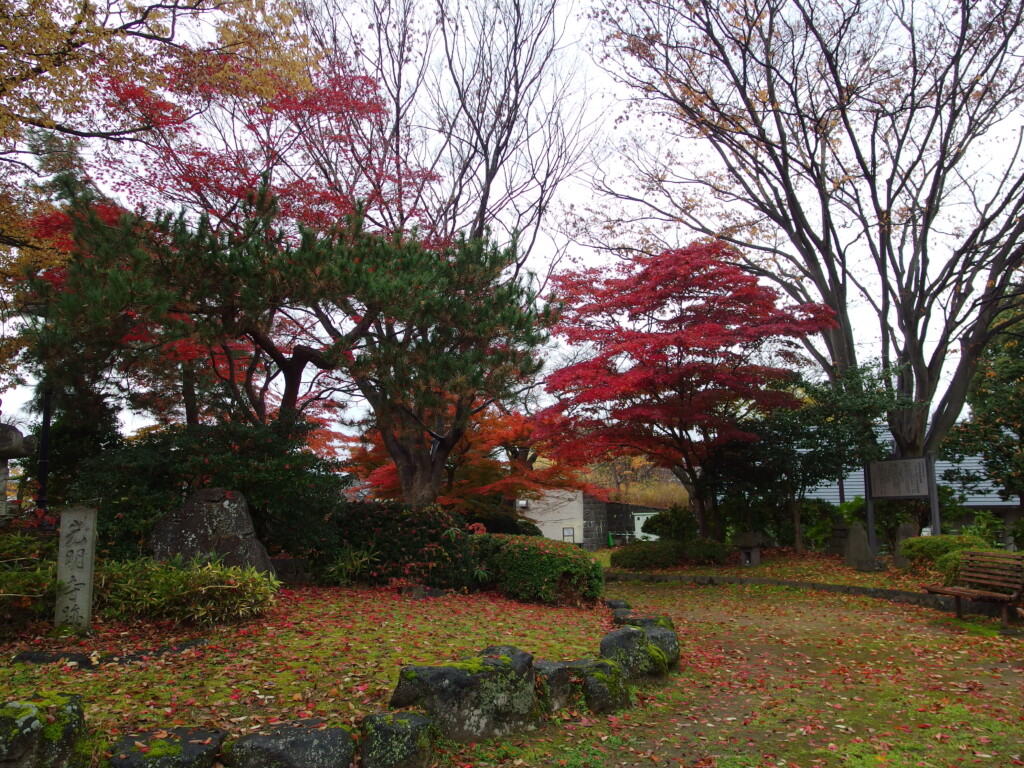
<point x="769" y="676"/>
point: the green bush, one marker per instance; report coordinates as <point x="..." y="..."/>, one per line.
<point x="819" y="518"/>
<point x="290" y="491"/>
<point x="986" y="526"/>
<point x="422" y="545"/>
<point x="541" y="570"/>
<point x="949" y="564"/>
<point x="349" y="564"/>
<point x="194" y="591"/>
<point x="28" y="579"/>
<point x="926" y="550"/>
<point x="1017" y="532"/>
<point x="648" y="555"/>
<point x="706" y="552"/>
<point x="676" y="523"/>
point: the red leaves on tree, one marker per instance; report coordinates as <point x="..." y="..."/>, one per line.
<point x="685" y="344"/>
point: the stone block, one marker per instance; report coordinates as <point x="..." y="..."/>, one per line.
<point x="489" y="695"/>
<point x="41" y="732"/>
<point x="298" y="744"/>
<point x="638" y="657"/>
<point x="173" y="748"/>
<point x="397" y="740"/>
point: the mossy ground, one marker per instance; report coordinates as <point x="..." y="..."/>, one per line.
<point x="780" y="677"/>
<point x="331" y="653"/>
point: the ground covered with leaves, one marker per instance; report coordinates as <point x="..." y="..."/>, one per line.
<point x="774" y="676"/>
<point x="331" y="653"/>
<point x="769" y="676"/>
<point x="810" y="567"/>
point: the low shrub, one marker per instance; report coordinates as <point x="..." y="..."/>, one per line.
<point x="349" y="564"/>
<point x="192" y="591"/>
<point x="28" y="579"/>
<point x="949" y="564"/>
<point x="676" y="522"/>
<point x="926" y="550"/>
<point x="541" y="570"/>
<point x="706" y="552"/>
<point x="423" y="545"/>
<point x="649" y="555"/>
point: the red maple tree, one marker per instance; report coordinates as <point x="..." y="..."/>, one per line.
<point x="685" y="345"/>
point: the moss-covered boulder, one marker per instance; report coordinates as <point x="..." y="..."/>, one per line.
<point x="488" y="695"/>
<point x="667" y="641"/>
<point x="635" y="653"/>
<point x="298" y="744"/>
<point x="41" y="732"/>
<point x="554" y="685"/>
<point x="174" y="748"/>
<point x="397" y="740"/>
<point x="602" y="683"/>
<point x="636" y="620"/>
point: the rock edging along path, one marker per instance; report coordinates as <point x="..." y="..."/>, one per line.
<point x="938" y="602"/>
<point x="498" y="691"/>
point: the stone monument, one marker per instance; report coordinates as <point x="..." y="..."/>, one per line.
<point x="213" y="523"/>
<point x="76" y="559"/>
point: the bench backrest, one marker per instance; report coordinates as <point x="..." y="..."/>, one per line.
<point x="995" y="571"/>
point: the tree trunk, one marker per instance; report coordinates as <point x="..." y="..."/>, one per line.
<point x="795" y="508"/>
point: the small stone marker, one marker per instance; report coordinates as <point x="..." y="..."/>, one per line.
<point x="858" y="553"/>
<point x="76" y="559"/>
<point x="905" y="531"/>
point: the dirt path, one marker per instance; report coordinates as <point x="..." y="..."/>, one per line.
<point x="775" y="676"/>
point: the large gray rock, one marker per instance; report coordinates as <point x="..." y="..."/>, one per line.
<point x="857" y="553"/>
<point x="666" y="640"/>
<point x="213" y="523"/>
<point x="41" y="732"/>
<point x="489" y="695"/>
<point x="397" y="740"/>
<point x="635" y="653"/>
<point x="174" y="748"/>
<point x="635" y="620"/>
<point x="299" y="744"/>
<point x="602" y="683"/>
<point x="554" y="685"/>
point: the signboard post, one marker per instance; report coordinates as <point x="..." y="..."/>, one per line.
<point x="901" y="479"/>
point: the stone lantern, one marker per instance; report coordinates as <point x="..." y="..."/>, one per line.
<point x="13" y="445"/>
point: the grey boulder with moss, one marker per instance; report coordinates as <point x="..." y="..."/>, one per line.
<point x="602" y="683"/>
<point x="491" y="694"/>
<point x="173" y="748"/>
<point x="397" y="740"/>
<point x="298" y="744"/>
<point x="667" y="641"/>
<point x="554" y="685"/>
<point x="41" y="732"/>
<point x="631" y="648"/>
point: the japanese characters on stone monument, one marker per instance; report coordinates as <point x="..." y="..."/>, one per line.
<point x="76" y="556"/>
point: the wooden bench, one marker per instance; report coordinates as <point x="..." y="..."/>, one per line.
<point x="996" y="577"/>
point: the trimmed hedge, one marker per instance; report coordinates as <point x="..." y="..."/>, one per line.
<point x="706" y="552"/>
<point x="648" y="555"/>
<point x="541" y="570"/>
<point x="926" y="550"/>
<point x="187" y="591"/>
